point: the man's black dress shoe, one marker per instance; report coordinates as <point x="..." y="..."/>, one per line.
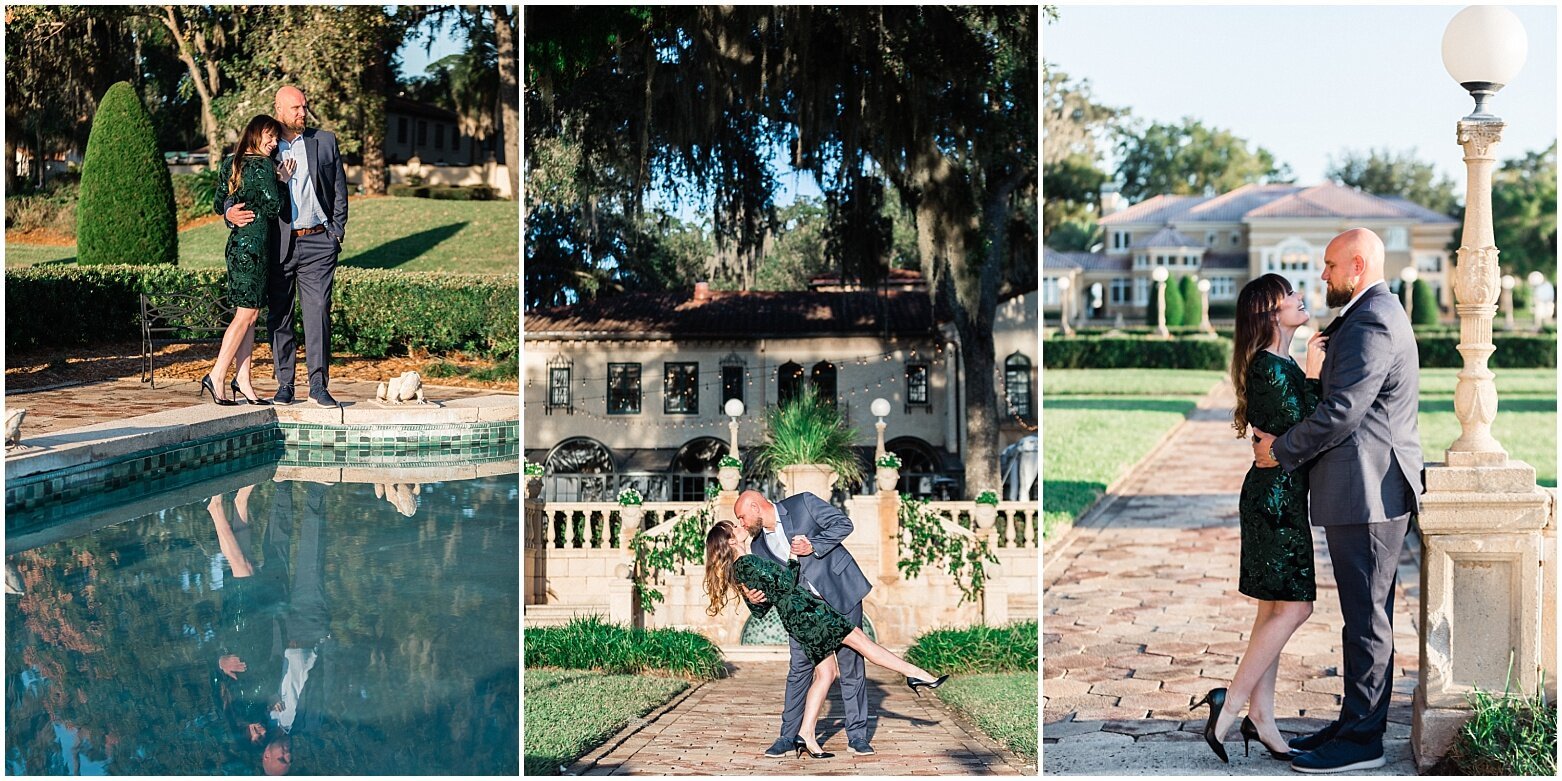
<point x="860" y="748"/>
<point x="322" y="397"/>
<point x="284" y="395"/>
<point x="782" y="747"/>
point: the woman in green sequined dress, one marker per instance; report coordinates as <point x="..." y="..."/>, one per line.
<point x="250" y="176"/>
<point x="819" y="628"/>
<point x="1273" y="394"/>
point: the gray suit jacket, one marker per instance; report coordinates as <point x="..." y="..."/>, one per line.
<point x="830" y="568"/>
<point x="327" y="175"/>
<point x="1361" y="443"/>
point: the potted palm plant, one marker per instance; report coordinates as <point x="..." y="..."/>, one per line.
<point x="809" y="446"/>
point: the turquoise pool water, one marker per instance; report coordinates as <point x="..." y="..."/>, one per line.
<point x="348" y="628"/>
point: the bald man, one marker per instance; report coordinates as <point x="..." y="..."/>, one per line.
<point x="1364" y="455"/>
<point x="312" y="226"/>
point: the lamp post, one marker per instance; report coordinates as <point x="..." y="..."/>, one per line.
<point x="1408" y="275"/>
<point x="1539" y="299"/>
<point x="734" y="410"/>
<point x="1483" y="48"/>
<point x="1159" y="275"/>
<point x="1507" y="300"/>
<point x="1204" y="317"/>
<point x="1064" y="283"/>
<point x="879" y="408"/>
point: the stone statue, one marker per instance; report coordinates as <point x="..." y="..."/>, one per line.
<point x="13" y="428"/>
<point x="401" y="390"/>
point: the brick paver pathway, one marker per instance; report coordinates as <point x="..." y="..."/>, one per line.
<point x="100" y="402"/>
<point x="724" y="727"/>
<point x="1141" y="616"/>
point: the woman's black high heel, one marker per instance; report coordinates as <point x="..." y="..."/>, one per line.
<point x="1250" y="732"/>
<point x="803" y="747"/>
<point x="208" y="387"/>
<point x="916" y="684"/>
<point x="234" y="385"/>
<point x="1216" y="698"/>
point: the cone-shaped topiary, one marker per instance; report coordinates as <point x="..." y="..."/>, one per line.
<point x="1173" y="302"/>
<point x="1425" y="310"/>
<point x="126" y="209"/>
<point x="1192" y="301"/>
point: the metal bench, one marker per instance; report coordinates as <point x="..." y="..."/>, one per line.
<point x="182" y="318"/>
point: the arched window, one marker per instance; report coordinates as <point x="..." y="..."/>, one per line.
<point x="823" y="380"/>
<point x="693" y="466"/>
<point x="580" y="470"/>
<point x="1016" y="383"/>
<point x="921" y="469"/>
<point x="789" y="382"/>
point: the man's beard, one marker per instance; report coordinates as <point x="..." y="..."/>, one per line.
<point x="1336" y="297"/>
<point x="293" y="130"/>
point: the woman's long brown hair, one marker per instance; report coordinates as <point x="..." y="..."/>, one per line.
<point x="1256" y="328"/>
<point x="719" y="557"/>
<point x="249" y="142"/>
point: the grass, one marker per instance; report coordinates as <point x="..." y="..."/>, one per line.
<point x="415" y="234"/>
<point x="1508" y="735"/>
<point x="977" y="649"/>
<point x="1003" y="705"/>
<point x="1526" y="422"/>
<point x="591" y="643"/>
<point x="1097" y="423"/>
<point x="569" y="712"/>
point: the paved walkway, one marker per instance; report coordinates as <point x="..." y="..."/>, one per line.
<point x="724" y="727"/>
<point x="1141" y="616"/>
<point x="100" y="402"/>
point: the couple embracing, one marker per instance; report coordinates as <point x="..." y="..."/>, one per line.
<point x="1334" y="442"/>
<point x="283" y="193"/>
<point x="788" y="557"/>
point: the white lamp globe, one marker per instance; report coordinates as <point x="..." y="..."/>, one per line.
<point x="1508" y="282"/>
<point x="1409" y="274"/>
<point x="1159" y="274"/>
<point x="734" y="408"/>
<point x="1064" y="283"/>
<point x="1203" y="286"/>
<point x="1535" y="277"/>
<point x="1484" y="44"/>
<point x="879" y="408"/>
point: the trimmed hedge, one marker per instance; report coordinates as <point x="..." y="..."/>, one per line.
<point x="442" y="192"/>
<point x="1117" y="352"/>
<point x="126" y="210"/>
<point x="1438" y="350"/>
<point x="376" y="312"/>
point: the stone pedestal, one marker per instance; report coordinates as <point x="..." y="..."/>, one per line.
<point x="621" y="608"/>
<point x="724" y="502"/>
<point x="1481" y="596"/>
<point x="889" y="536"/>
<point x="535" y="561"/>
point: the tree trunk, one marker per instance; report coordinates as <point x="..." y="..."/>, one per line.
<point x="11" y="178"/>
<point x="375" y="79"/>
<point x="509" y="95"/>
<point x="206" y="81"/>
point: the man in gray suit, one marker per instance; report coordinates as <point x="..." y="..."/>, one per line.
<point x="810" y="530"/>
<point x="1364" y="458"/>
<point x="312" y="225"/>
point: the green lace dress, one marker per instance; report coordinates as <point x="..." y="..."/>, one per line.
<point x="250" y="247"/>
<point x="1277" y="543"/>
<point x="816" y="626"/>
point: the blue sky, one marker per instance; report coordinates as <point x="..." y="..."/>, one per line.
<point x="1304" y="82"/>
<point x="446" y="42"/>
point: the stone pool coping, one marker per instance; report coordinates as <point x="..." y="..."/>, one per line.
<point x="121" y="438"/>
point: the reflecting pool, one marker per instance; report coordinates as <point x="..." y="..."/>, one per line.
<point x="259" y="624"/>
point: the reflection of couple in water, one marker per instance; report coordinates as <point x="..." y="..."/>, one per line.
<point x="274" y="622"/>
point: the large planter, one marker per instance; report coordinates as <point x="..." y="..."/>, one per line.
<point x="888" y="477"/>
<point x="816" y="479"/>
<point x="729" y="477"/>
<point x="533" y="487"/>
<point x="985" y="515"/>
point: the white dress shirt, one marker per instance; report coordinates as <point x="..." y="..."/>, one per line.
<point x="307" y="212"/>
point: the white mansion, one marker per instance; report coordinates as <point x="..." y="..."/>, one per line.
<point x="631" y="390"/>
<point x="1237" y="236"/>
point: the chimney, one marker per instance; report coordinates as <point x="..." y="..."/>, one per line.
<point x="1111" y="200"/>
<point x="701" y="292"/>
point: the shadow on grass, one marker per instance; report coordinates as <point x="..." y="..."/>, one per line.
<point x="395" y="252"/>
<point x="1504" y="404"/>
<point x="1141" y="404"/>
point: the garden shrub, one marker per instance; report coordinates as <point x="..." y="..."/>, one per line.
<point x="591" y="643"/>
<point x="442" y="192"/>
<point x="1127" y="352"/>
<point x="1192" y="301"/>
<point x="1425" y="311"/>
<point x="977" y="649"/>
<point x="1514" y="351"/>
<point x="376" y="312"/>
<point x="126" y="209"/>
<point x="193" y="194"/>
<point x="52" y="208"/>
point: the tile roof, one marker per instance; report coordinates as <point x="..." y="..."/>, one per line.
<point x="748" y="314"/>
<point x="1160" y="209"/>
<point x="1236" y="260"/>
<point x="1232" y="206"/>
<point x="1167" y="237"/>
<point x="1086" y="261"/>
<point x="1329" y="200"/>
<point x="1418" y="211"/>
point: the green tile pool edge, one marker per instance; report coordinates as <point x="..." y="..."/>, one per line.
<point x="338" y="445"/>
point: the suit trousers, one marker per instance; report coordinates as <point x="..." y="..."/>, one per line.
<point x="308" y="270"/>
<point x="854" y="687"/>
<point x="1366" y="562"/>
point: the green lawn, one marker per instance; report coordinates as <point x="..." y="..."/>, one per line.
<point x="569" y="712"/>
<point x="1526" y="423"/>
<point x="415" y="234"/>
<point x="1096" y="423"/>
<point x="1003" y="705"/>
